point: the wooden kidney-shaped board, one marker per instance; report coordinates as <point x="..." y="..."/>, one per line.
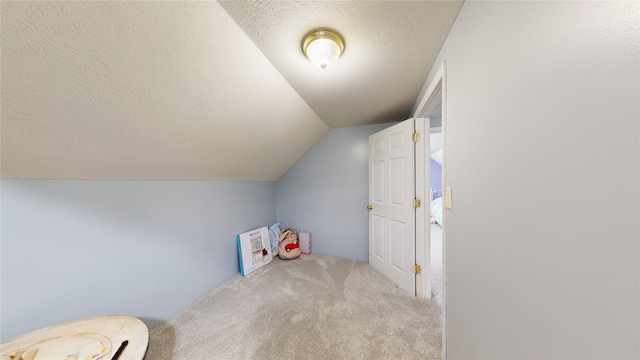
<point x="96" y="338"/>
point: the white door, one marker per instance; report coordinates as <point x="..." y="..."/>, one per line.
<point x="391" y="195"/>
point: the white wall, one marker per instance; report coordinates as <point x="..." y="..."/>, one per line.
<point x="77" y="248"/>
<point x="543" y="153"/>
<point x="326" y="193"/>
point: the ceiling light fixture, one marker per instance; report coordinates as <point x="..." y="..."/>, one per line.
<point x="323" y="47"/>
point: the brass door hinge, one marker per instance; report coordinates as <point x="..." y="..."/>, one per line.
<point x="416" y="203"/>
<point x="415" y="137"/>
<point x="417" y="269"/>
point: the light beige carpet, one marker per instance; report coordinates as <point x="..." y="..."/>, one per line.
<point x="313" y="307"/>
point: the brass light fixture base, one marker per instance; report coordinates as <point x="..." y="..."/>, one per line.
<point x="323" y="36"/>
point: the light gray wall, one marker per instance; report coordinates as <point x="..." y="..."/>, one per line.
<point x="543" y="239"/>
<point x="326" y="193"/>
<point x="73" y="248"/>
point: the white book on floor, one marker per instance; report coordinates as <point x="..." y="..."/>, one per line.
<point x="254" y="250"/>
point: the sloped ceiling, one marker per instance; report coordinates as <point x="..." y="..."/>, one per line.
<point x="196" y="90"/>
<point x="390" y="47"/>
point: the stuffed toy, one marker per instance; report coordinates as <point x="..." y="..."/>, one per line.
<point x="288" y="247"/>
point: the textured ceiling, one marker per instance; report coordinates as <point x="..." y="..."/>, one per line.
<point x="185" y="90"/>
<point x="390" y="47"/>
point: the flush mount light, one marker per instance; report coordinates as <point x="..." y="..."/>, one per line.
<point x="323" y="47"/>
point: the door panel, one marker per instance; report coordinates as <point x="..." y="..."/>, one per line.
<point x="396" y="188"/>
<point x="391" y="193"/>
<point x="378" y="236"/>
<point x="378" y="146"/>
<point x="397" y="236"/>
<point x="378" y="182"/>
<point x="397" y="140"/>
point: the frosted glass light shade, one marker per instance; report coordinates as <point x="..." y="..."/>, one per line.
<point x="323" y="47"/>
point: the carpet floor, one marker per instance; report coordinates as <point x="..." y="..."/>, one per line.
<point x="313" y="307"/>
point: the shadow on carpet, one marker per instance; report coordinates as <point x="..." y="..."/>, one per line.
<point x="313" y="307"/>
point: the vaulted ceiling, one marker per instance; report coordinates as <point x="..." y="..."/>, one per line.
<point x="199" y="90"/>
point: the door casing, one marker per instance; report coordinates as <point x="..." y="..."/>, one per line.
<point x="436" y="94"/>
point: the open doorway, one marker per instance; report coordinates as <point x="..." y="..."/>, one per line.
<point x="434" y="162"/>
<point x="431" y="239"/>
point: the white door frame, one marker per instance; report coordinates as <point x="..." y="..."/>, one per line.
<point x="437" y="86"/>
<point x="423" y="230"/>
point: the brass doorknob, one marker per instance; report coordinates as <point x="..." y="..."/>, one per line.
<point x="370" y="207"/>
